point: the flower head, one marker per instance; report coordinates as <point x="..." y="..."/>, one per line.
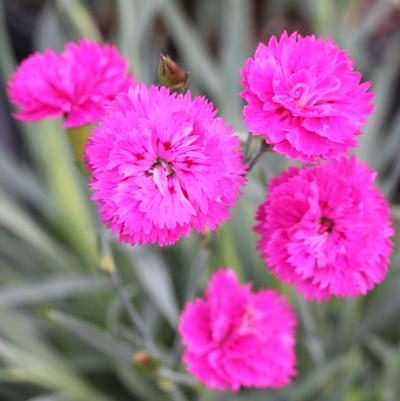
<point x="77" y="83"/>
<point x="326" y="229"/>
<point x="236" y="337"/>
<point x="304" y="97"/>
<point x="163" y="164"/>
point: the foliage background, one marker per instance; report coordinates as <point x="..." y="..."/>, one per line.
<point x="64" y="335"/>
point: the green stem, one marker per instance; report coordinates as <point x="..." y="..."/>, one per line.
<point x="264" y="147"/>
<point x="133" y="314"/>
<point x="107" y="264"/>
<point x="78" y="137"/>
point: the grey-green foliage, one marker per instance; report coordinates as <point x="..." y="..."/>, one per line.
<point x="63" y="330"/>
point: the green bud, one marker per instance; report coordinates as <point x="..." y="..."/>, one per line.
<point x="145" y="362"/>
<point x="171" y="74"/>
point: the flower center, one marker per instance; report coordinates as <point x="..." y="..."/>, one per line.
<point x="167" y="166"/>
<point x="300" y="94"/>
<point x="326" y="225"/>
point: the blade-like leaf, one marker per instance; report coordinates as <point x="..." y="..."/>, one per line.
<point x="154" y="276"/>
<point x="80" y="18"/>
<point x="95" y="337"/>
<point x="54" y="288"/>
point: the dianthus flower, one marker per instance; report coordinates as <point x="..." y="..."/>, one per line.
<point x="304" y="97"/>
<point x="235" y="337"/>
<point x="76" y="83"/>
<point x="163" y="164"/>
<point x="326" y="229"/>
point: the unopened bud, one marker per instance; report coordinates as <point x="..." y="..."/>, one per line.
<point x="145" y="362"/>
<point x="171" y="74"/>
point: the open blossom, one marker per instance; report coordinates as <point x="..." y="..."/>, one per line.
<point x="235" y="337"/>
<point x="304" y="97"/>
<point x="326" y="229"/>
<point x="77" y="83"/>
<point x="162" y="164"/>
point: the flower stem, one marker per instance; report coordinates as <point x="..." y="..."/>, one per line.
<point x="107" y="264"/>
<point x="264" y="147"/>
<point x="177" y="394"/>
<point x="133" y="314"/>
<point x="176" y="377"/>
<point x="78" y="137"/>
<point x="247" y="144"/>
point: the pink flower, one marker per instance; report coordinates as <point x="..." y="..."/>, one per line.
<point x="326" y="229"/>
<point x="235" y="337"/>
<point x="304" y="97"/>
<point x="76" y="83"/>
<point x="163" y="164"/>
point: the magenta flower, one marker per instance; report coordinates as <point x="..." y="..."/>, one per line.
<point x="304" y="97"/>
<point x="77" y="83"/>
<point x="163" y="164"/>
<point x="326" y="229"/>
<point x="235" y="337"/>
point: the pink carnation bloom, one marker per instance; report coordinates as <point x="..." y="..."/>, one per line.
<point x="304" y="97"/>
<point x="76" y="83"/>
<point x="326" y="229"/>
<point x="163" y="164"/>
<point x="235" y="337"/>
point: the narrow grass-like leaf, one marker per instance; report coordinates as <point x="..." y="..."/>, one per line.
<point x="7" y="59"/>
<point x="65" y="181"/>
<point x="154" y="276"/>
<point x="49" y="31"/>
<point x="236" y="35"/>
<point x="15" y="219"/>
<point x="50" y="289"/>
<point x="80" y="19"/>
<point x="31" y="360"/>
<point x="95" y="337"/>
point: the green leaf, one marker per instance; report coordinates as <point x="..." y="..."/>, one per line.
<point x="7" y="59"/>
<point x="80" y="18"/>
<point x="21" y="224"/>
<point x="48" y="397"/>
<point x="383" y="307"/>
<point x="95" y="337"/>
<point x="154" y="276"/>
<point x="236" y="34"/>
<point x="31" y="360"/>
<point x="49" y="32"/>
<point x="55" y="288"/>
<point x="75" y="212"/>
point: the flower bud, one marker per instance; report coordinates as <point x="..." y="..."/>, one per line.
<point x="145" y="362"/>
<point x="171" y="74"/>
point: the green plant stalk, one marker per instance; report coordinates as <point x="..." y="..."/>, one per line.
<point x="77" y="137"/>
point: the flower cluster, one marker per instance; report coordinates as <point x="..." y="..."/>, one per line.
<point x="77" y="83"/>
<point x="326" y="229"/>
<point x="163" y="164"/>
<point x="236" y="337"/>
<point x="304" y="97"/>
